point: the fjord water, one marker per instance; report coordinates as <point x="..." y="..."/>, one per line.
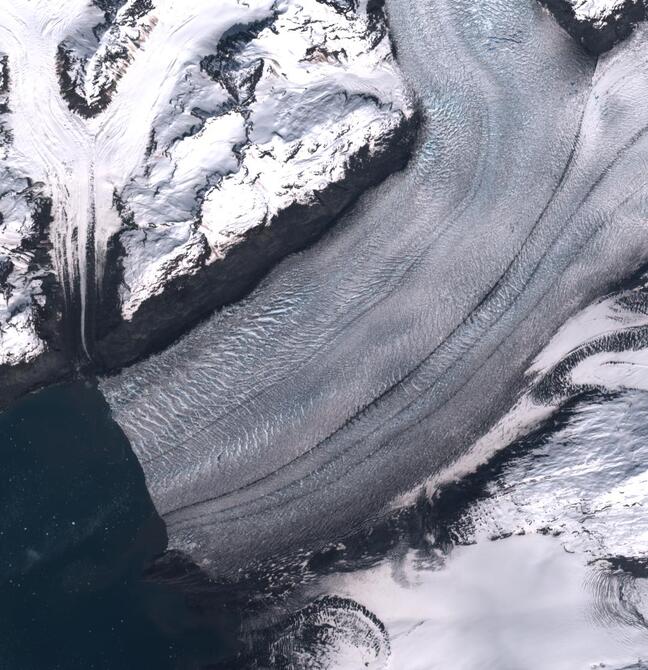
<point x="77" y="530"/>
<point x="440" y="584"/>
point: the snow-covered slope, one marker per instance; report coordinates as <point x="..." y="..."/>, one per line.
<point x="252" y="151"/>
<point x="379" y="359"/>
<point x="175" y="150"/>
<point x="19" y="341"/>
<point x="29" y="301"/>
<point x="598" y="24"/>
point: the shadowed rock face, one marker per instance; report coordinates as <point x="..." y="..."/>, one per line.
<point x="184" y="152"/>
<point x="307" y="111"/>
<point x="600" y="24"/>
<point x="369" y="363"/>
<point x="166" y="315"/>
<point x="31" y="301"/>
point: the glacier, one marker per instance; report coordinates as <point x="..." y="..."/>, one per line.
<point x="419" y="438"/>
<point x="358" y="370"/>
<point x="159" y="158"/>
<point x="168" y="148"/>
<point x="535" y="559"/>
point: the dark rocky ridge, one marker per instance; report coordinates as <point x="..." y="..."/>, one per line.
<point x="114" y="342"/>
<point x="185" y="300"/>
<point x="188" y="299"/>
<point x="69" y="86"/>
<point x="597" y="37"/>
<point x="71" y="67"/>
<point x="56" y="364"/>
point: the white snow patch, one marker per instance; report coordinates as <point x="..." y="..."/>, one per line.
<point x="517" y="603"/>
<point x="324" y="93"/>
<point x="171" y="135"/>
<point x="596" y="10"/>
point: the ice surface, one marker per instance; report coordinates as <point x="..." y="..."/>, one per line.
<point x="585" y="483"/>
<point x="536" y="560"/>
<point x="21" y="272"/>
<point x="522" y="602"/>
<point x="49" y="145"/>
<point x="373" y="362"/>
<point x="129" y="126"/>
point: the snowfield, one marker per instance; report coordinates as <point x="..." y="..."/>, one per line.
<point x="162" y="135"/>
<point x="598" y="24"/>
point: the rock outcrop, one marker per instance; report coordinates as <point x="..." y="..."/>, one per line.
<point x="260" y="145"/>
<point x="598" y="24"/>
<point x="31" y="337"/>
<point x="186" y="151"/>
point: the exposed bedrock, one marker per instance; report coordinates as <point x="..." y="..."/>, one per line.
<point x="187" y="298"/>
<point x="92" y="61"/>
<point x="181" y="152"/>
<point x="305" y="111"/>
<point x="33" y="348"/>
<point x="49" y="359"/>
<point x="598" y="24"/>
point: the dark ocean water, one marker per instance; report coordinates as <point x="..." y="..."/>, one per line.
<point x="77" y="531"/>
<point x="86" y="582"/>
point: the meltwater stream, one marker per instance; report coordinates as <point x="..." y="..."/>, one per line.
<point x="367" y="364"/>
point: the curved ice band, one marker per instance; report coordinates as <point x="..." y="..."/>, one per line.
<point x="376" y="359"/>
